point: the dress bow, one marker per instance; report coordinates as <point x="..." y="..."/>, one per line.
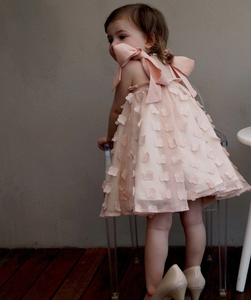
<point x="181" y="67"/>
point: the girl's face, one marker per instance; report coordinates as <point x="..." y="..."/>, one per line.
<point x="125" y="31"/>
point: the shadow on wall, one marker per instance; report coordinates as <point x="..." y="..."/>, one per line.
<point x="41" y="159"/>
<point x="31" y="38"/>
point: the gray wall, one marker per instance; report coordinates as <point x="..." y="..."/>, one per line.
<point x="55" y="80"/>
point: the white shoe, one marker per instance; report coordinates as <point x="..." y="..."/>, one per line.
<point x="173" y="285"/>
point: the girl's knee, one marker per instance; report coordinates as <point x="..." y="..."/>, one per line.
<point x="193" y="217"/>
<point x="160" y="222"/>
<point x="189" y="221"/>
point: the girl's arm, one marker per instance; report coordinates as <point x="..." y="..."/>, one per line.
<point x="121" y="92"/>
<point x="119" y="99"/>
<point x="132" y="74"/>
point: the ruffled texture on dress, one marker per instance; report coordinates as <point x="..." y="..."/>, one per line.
<point x="166" y="152"/>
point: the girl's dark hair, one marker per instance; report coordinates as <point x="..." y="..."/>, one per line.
<point x="150" y="21"/>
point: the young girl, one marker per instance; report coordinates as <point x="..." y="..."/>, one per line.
<point x="166" y="155"/>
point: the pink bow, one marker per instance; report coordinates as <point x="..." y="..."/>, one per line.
<point x="181" y="66"/>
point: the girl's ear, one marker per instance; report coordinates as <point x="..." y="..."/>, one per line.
<point x="150" y="41"/>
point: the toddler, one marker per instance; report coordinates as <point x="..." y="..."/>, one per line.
<point x="166" y="155"/>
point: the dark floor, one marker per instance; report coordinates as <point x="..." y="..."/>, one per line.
<point x="71" y="274"/>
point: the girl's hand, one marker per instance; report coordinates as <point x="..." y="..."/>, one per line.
<point x="103" y="142"/>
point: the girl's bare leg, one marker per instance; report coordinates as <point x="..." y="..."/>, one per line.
<point x="195" y="233"/>
<point x="156" y="250"/>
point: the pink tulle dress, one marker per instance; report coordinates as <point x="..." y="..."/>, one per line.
<point x="166" y="152"/>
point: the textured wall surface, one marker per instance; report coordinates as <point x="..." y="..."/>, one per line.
<point x="55" y="80"/>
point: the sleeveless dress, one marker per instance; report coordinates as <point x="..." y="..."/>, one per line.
<point x="166" y="151"/>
